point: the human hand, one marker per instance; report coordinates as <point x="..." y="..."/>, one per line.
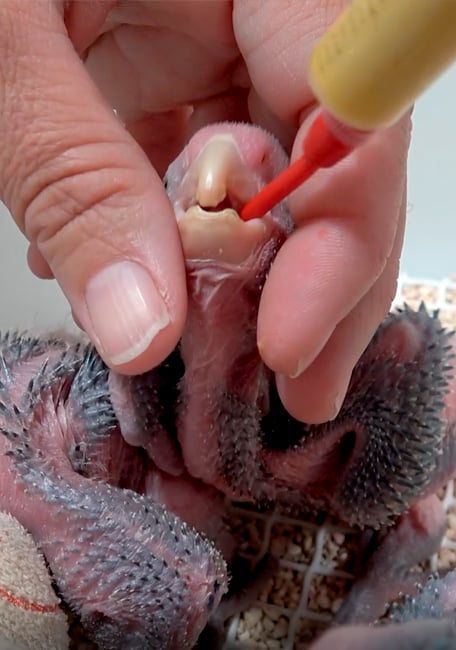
<point x="81" y="187"/>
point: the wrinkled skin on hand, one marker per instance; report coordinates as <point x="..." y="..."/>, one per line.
<point x="100" y="451"/>
<point x="84" y="185"/>
<point x="235" y="434"/>
<point x="125" y="461"/>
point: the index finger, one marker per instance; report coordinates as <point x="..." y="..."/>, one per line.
<point x="350" y="218"/>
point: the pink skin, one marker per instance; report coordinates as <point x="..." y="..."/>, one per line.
<point x="160" y="447"/>
<point x="223" y="374"/>
<point x="64" y="457"/>
<point x="226" y="386"/>
<point x="120" y="560"/>
<point x="225" y="390"/>
<point x="423" y="621"/>
<point x="416" y="635"/>
<point x="87" y="192"/>
<point x="224" y="267"/>
<point x="195" y="503"/>
<point x="387" y="572"/>
<point x="310" y="468"/>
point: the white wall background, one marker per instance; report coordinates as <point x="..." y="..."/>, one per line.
<point x="430" y="246"/>
<point x="25" y="301"/>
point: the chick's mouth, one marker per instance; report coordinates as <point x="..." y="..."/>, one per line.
<point x="215" y="187"/>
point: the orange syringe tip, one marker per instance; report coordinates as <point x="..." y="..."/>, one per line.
<point x="321" y="149"/>
<point x="280" y="187"/>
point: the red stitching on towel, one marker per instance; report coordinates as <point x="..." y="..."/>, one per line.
<point x="25" y="604"/>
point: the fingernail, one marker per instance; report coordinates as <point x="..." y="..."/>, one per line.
<point x="126" y="311"/>
<point x="300" y="367"/>
<point x="339" y="400"/>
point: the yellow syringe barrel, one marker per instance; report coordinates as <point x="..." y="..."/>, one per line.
<point x="379" y="56"/>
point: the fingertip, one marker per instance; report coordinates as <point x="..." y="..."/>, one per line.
<point x="309" y="399"/>
<point x="296" y="316"/>
<point x="318" y="393"/>
<point x="85" y="195"/>
<point x="37" y="263"/>
<point x="160" y="346"/>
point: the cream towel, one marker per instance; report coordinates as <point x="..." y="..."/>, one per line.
<point x="30" y="616"/>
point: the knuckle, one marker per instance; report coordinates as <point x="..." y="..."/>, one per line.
<point x="77" y="189"/>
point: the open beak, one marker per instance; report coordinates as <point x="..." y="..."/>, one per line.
<point x="215" y="187"/>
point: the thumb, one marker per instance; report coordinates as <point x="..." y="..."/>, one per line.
<point x="85" y="195"/>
